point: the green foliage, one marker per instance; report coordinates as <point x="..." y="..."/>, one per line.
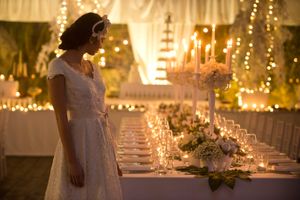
<point x="28" y="38"/>
<point x="117" y="63"/>
<point x="216" y="179"/>
<point x="228" y="97"/>
<point x="284" y="95"/>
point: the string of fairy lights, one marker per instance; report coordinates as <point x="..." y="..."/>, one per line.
<point x="271" y="19"/>
<point x="62" y="20"/>
<point x="270" y="28"/>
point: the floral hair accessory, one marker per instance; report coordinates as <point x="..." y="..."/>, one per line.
<point x="107" y="24"/>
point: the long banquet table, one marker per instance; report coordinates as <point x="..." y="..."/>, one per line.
<point x="180" y="187"/>
<point x="135" y="143"/>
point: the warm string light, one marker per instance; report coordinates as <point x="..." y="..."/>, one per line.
<point x="270" y="33"/>
<point x="25" y="108"/>
<point x="97" y="5"/>
<point x="81" y="7"/>
<point x="61" y="21"/>
<point x="271" y="64"/>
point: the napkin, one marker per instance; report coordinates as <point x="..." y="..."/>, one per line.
<point x="134" y="146"/>
<point x="122" y="141"/>
<point x="136" y="167"/>
<point x="280" y="160"/>
<point x="133" y="137"/>
<point x="135" y="160"/>
<point x="135" y="152"/>
<point x="287" y="168"/>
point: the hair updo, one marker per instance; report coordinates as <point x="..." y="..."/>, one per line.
<point x="80" y="31"/>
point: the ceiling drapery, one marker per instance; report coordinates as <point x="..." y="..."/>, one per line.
<point x="124" y="11"/>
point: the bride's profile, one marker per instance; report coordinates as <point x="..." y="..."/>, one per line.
<point x="84" y="165"/>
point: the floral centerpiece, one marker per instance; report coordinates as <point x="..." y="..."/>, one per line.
<point x="179" y="119"/>
<point x="215" y="150"/>
<point x="214" y="75"/>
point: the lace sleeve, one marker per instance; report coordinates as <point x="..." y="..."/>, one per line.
<point x="55" y="68"/>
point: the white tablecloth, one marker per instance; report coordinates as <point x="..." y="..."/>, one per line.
<point x="180" y="187"/>
<point x="31" y="133"/>
<point x="36" y="133"/>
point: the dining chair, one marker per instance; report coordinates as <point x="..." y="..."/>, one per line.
<point x="295" y="144"/>
<point x="253" y="122"/>
<point x="287" y="138"/>
<point x="260" y="128"/>
<point x="268" y="131"/>
<point x="3" y="128"/>
<point x="277" y="135"/>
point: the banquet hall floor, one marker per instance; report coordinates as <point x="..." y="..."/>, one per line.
<point x="26" y="178"/>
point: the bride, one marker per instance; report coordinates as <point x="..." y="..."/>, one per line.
<point x="84" y="165"/>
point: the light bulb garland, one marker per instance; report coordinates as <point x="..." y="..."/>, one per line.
<point x="262" y="14"/>
<point x="61" y="21"/>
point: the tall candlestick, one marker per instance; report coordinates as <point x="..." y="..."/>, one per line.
<point x="207" y="47"/>
<point x="25" y="70"/>
<point x="193" y="53"/>
<point x="213" y="41"/>
<point x="198" y="55"/>
<point x="175" y="56"/>
<point x="228" y="54"/>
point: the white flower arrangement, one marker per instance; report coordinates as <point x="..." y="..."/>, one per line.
<point x="228" y="146"/>
<point x="208" y="150"/>
<point x="214" y="75"/>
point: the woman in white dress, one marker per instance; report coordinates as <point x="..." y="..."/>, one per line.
<point x="84" y="165"/>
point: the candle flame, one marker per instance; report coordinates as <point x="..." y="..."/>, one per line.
<point x="229" y="43"/>
<point x="213" y="27"/>
<point x="185" y="47"/>
<point x="193" y="52"/>
<point x="176" y="46"/>
<point x="199" y="43"/>
<point x="194" y="36"/>
<point x="207" y="47"/>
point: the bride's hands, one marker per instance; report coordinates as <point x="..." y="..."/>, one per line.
<point x="76" y="174"/>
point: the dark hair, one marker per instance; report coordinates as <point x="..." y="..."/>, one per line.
<point x="80" y="31"/>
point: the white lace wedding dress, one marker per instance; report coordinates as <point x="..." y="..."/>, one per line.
<point x="91" y="137"/>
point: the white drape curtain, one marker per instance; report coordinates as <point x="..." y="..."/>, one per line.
<point x="120" y="11"/>
<point x="145" y="19"/>
<point x="144" y="31"/>
<point x="28" y="10"/>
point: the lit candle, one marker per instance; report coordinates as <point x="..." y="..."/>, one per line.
<point x="185" y="158"/>
<point x="175" y="56"/>
<point x="195" y="52"/>
<point x="213" y="39"/>
<point x="2" y="77"/>
<point x="11" y="77"/>
<point x="228" y="54"/>
<point x="207" y="48"/>
<point x="198" y="55"/>
<point x="185" y="48"/>
<point x="261" y="167"/>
